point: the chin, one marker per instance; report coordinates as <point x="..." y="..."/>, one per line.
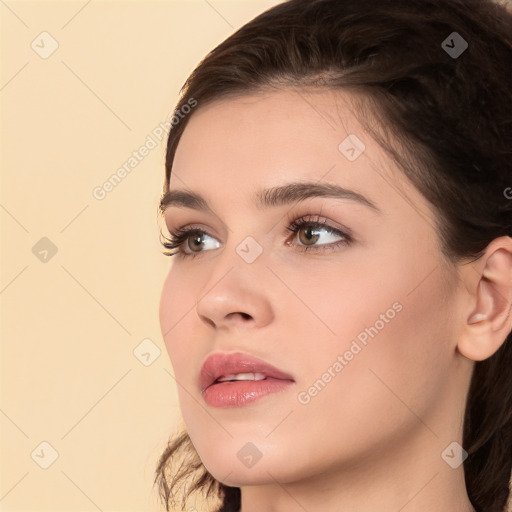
<point x="248" y="467"/>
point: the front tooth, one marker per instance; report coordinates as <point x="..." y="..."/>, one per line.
<point x="242" y="376"/>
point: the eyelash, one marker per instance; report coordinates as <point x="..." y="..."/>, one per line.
<point x="180" y="236"/>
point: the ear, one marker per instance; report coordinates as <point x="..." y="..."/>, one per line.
<point x="489" y="315"/>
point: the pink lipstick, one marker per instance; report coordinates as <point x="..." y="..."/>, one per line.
<point x="234" y="380"/>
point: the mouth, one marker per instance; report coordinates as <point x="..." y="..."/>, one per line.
<point x="240" y="377"/>
<point x="224" y="367"/>
<point x="232" y="380"/>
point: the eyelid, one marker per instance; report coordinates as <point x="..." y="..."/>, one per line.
<point x="192" y="225"/>
<point x="288" y="219"/>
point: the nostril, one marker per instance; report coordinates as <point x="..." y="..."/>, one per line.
<point x="238" y="316"/>
<point x="245" y="316"/>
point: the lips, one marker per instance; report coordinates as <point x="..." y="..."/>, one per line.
<point x="225" y="365"/>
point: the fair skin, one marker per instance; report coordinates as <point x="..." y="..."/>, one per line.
<point x="372" y="438"/>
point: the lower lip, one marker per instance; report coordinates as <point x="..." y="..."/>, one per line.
<point x="243" y="392"/>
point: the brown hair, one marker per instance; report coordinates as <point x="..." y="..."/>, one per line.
<point x="451" y="120"/>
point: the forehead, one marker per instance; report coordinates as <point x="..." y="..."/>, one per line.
<point x="266" y="131"/>
<point x="235" y="146"/>
<point x="280" y="120"/>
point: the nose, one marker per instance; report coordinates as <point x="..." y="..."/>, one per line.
<point x="238" y="298"/>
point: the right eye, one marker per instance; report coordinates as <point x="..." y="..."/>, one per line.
<point x="186" y="238"/>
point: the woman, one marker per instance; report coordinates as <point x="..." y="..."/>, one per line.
<point x="338" y="311"/>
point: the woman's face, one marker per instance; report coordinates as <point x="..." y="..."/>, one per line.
<point x="365" y="326"/>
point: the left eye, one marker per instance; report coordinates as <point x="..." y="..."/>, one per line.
<point x="312" y="230"/>
<point x="187" y="240"/>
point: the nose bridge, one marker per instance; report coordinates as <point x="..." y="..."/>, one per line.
<point x="240" y="260"/>
<point x="244" y="245"/>
<point x="235" y="283"/>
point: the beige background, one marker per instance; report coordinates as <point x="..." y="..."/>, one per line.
<point x="72" y="320"/>
<point x="70" y="325"/>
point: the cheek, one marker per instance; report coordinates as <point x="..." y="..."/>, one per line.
<point x="397" y="374"/>
<point x="391" y="329"/>
<point x="175" y="313"/>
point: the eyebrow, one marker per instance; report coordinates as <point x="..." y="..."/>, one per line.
<point x="270" y="197"/>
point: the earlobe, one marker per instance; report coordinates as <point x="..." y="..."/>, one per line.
<point x="490" y="320"/>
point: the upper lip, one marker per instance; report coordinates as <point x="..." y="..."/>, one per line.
<point x="222" y="364"/>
